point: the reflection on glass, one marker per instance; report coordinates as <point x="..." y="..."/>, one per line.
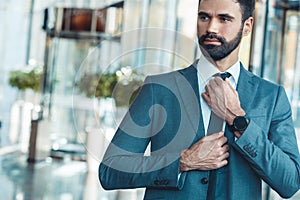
<point x="291" y="65"/>
<point x="278" y="60"/>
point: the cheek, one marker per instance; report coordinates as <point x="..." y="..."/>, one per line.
<point x="230" y="32"/>
<point x="201" y="28"/>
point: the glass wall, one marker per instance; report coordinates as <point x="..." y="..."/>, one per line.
<point x="277" y="28"/>
<point x="290" y="71"/>
<point x="276" y="50"/>
<point x="23" y="46"/>
<point x="15" y="53"/>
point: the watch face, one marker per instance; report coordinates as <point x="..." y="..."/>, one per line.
<point x="240" y="123"/>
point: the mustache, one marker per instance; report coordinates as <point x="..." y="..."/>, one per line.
<point x="212" y="36"/>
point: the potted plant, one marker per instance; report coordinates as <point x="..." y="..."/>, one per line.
<point x="98" y="85"/>
<point x="26" y="79"/>
<point x="117" y="85"/>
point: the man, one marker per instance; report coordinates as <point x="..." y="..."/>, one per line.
<point x="177" y="113"/>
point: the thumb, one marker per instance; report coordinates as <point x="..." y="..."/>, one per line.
<point x="215" y="136"/>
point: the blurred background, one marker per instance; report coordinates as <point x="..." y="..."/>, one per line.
<point x="69" y="69"/>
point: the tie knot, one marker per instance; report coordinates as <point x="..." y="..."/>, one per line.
<point x="225" y="75"/>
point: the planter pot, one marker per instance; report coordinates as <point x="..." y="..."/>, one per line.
<point x="20" y="123"/>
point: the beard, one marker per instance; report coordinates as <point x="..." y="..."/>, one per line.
<point x="218" y="52"/>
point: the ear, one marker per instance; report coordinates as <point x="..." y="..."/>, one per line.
<point x="248" y="24"/>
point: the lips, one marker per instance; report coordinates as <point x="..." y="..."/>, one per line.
<point x="212" y="41"/>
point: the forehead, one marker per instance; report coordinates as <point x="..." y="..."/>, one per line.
<point x="216" y="7"/>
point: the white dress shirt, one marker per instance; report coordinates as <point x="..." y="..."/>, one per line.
<point x="206" y="70"/>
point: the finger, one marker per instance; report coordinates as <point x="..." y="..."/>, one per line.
<point x="216" y="90"/>
<point x="225" y="148"/>
<point x="211" y="92"/>
<point x="222" y="141"/>
<point x="220" y="164"/>
<point x="213" y="82"/>
<point x="206" y="98"/>
<point x="215" y="136"/>
<point x="221" y="153"/>
<point x="218" y="80"/>
<point x="224" y="163"/>
<point x="209" y="88"/>
<point x="237" y="134"/>
<point x="224" y="156"/>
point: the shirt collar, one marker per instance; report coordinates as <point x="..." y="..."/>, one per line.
<point x="206" y="70"/>
<point x="234" y="70"/>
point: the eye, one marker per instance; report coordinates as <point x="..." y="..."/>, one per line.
<point x="225" y="19"/>
<point x="203" y="17"/>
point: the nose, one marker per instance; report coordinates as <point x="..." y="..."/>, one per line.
<point x="213" y="26"/>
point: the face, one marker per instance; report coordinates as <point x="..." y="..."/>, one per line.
<point x="224" y="49"/>
<point x="220" y="28"/>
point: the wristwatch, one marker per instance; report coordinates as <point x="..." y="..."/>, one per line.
<point x="240" y="123"/>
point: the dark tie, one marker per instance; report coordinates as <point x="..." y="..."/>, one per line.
<point x="215" y="125"/>
<point x="225" y="75"/>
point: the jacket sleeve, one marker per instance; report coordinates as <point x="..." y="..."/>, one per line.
<point x="273" y="151"/>
<point x="125" y="164"/>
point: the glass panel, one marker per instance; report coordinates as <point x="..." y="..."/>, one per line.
<point x="258" y="37"/>
<point x="70" y="61"/>
<point x="291" y="65"/>
<point x="273" y="42"/>
<point x="66" y="58"/>
<point x="277" y="59"/>
<point x="13" y="43"/>
<point x="165" y="36"/>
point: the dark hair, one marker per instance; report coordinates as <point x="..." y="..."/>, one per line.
<point x="247" y="7"/>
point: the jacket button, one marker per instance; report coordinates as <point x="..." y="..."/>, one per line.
<point x="204" y="180"/>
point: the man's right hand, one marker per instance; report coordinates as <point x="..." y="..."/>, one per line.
<point x="211" y="152"/>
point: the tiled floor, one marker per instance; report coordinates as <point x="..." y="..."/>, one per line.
<point x="54" y="179"/>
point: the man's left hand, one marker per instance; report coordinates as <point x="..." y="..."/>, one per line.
<point x="223" y="99"/>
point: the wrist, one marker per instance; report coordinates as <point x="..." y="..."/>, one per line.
<point x="241" y="113"/>
<point x="240" y="124"/>
<point x="184" y="161"/>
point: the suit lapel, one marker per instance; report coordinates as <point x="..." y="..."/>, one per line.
<point x="245" y="87"/>
<point x="191" y="102"/>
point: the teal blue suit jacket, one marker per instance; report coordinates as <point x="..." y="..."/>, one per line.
<point x="167" y="116"/>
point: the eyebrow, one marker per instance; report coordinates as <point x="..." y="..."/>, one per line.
<point x="202" y="13"/>
<point x="220" y="15"/>
<point x="226" y="15"/>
